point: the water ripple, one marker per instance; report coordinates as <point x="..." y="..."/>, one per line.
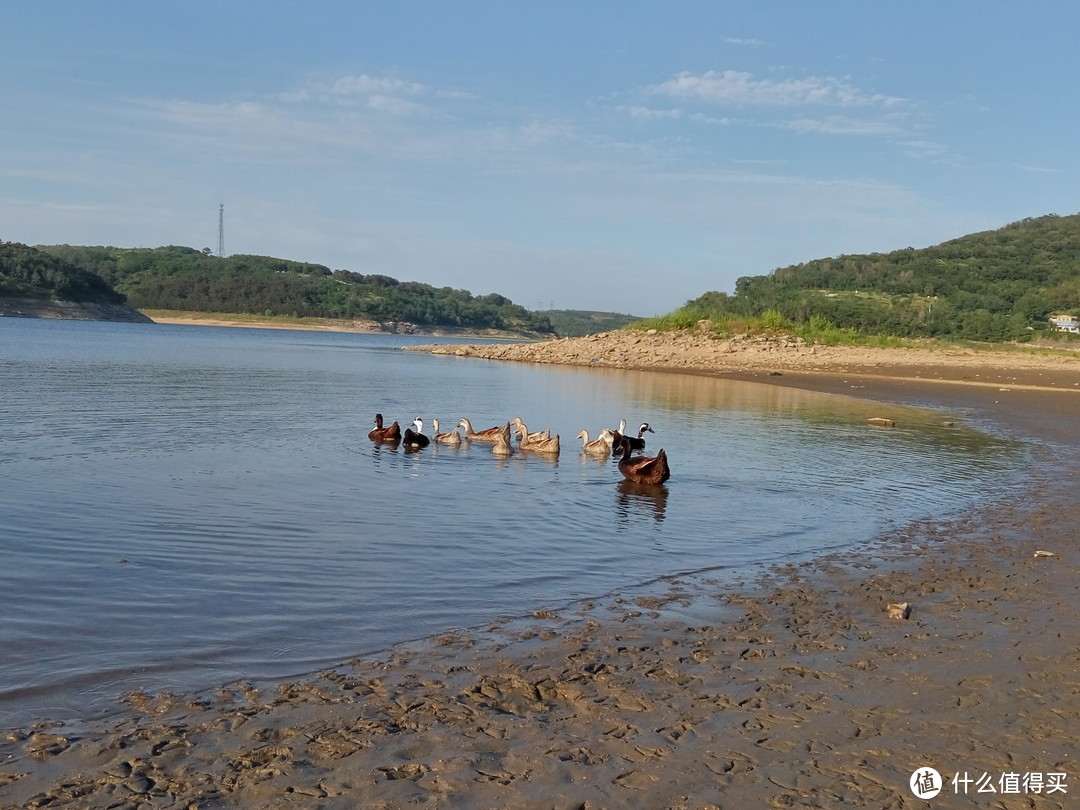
<point x="187" y="506"/>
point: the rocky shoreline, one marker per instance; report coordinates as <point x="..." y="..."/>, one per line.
<point x="744" y="356"/>
<point x="69" y="310"/>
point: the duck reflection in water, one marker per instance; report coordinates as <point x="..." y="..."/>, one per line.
<point x="636" y="501"/>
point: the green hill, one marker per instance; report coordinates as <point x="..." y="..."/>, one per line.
<point x="26" y="272"/>
<point x="579" y="322"/>
<point x="993" y="286"/>
<point x="182" y="278"/>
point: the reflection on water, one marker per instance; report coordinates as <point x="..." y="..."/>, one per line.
<point x="188" y="505"/>
<point x="640" y="501"/>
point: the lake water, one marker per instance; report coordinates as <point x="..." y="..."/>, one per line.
<point x="183" y="506"/>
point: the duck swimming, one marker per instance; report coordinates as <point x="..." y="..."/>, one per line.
<point x="503" y="447"/>
<point x="489" y="435"/>
<point x="653" y="470"/>
<point x="597" y="447"/>
<point x="528" y="437"/>
<point x="537" y="445"/>
<point x="638" y="442"/>
<point x="385" y="434"/>
<point x="453" y="437"/>
<point x="416" y="438"/>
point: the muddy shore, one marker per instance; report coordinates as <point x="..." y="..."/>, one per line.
<point x="801" y="688"/>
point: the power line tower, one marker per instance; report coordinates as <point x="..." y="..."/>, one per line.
<point x="221" y="231"/>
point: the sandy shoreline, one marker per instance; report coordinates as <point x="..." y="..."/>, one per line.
<point x="354" y="326"/>
<point x="796" y="689"/>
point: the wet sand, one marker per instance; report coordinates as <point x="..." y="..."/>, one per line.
<point x="796" y="688"/>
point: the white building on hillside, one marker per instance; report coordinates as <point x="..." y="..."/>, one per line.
<point x="1066" y="323"/>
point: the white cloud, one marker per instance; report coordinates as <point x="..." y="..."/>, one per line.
<point x="649" y="114"/>
<point x="701" y="118"/>
<point x="923" y="149"/>
<point x="396" y="106"/>
<point x="346" y="87"/>
<point x="542" y="132"/>
<point x="364" y="85"/>
<point x="740" y="88"/>
<point x="743" y="41"/>
<point x="842" y="125"/>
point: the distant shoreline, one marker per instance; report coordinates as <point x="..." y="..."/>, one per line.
<point x="355" y="325"/>
<point x="780" y="360"/>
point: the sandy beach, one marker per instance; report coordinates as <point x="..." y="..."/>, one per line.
<point x="954" y="646"/>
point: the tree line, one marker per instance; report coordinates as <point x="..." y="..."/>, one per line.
<point x="182" y="278"/>
<point x="29" y="273"/>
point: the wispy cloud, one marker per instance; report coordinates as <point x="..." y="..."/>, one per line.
<point x="923" y="149"/>
<point x="842" y="125"/>
<point x="650" y="114"/>
<point x="373" y="85"/>
<point x="345" y="87"/>
<point x="398" y="106"/>
<point x="252" y="123"/>
<point x="701" y="118"/>
<point x="738" y="88"/>
<point x="743" y="41"/>
<point x="642" y="113"/>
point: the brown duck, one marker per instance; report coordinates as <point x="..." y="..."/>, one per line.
<point x="385" y="434"/>
<point x="536" y="443"/>
<point x="491" y="435"/>
<point x="640" y="470"/>
<point x="453" y="437"/>
<point x="502" y="445"/>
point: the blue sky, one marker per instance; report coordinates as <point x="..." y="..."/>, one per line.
<point x="618" y="156"/>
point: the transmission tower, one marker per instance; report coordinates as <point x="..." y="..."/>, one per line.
<point x="221" y="231"/>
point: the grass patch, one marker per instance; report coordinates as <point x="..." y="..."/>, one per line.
<point x="818" y="330"/>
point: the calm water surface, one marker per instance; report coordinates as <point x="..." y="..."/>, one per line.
<point x="182" y="506"/>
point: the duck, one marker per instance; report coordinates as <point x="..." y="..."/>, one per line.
<point x="548" y="446"/>
<point x="489" y="435"/>
<point x="502" y="445"/>
<point x="416" y="438"/>
<point x="543" y="434"/>
<point x="611" y="435"/>
<point x="453" y="437"/>
<point x="653" y="470"/>
<point x="385" y="434"/>
<point x="638" y="442"/>
<point x="597" y="447"/>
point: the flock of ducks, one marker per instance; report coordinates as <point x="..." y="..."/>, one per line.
<point x="639" y="469"/>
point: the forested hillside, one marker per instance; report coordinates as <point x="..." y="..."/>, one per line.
<point x="994" y="285"/>
<point x="579" y="322"/>
<point x="29" y="273"/>
<point x="182" y="278"/>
